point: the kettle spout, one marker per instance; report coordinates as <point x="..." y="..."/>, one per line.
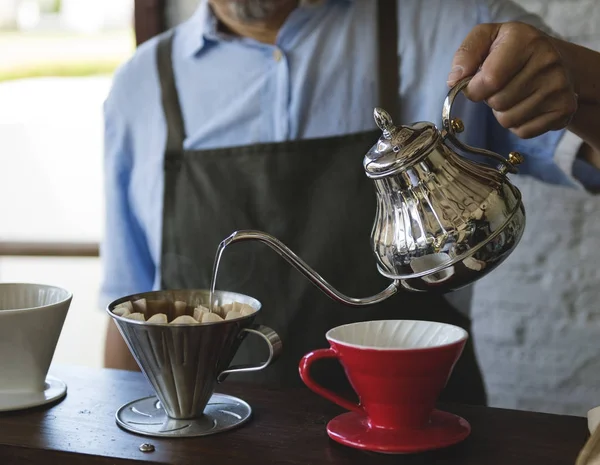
<point x="308" y="272"/>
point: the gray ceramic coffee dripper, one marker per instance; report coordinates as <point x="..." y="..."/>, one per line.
<point x="183" y="363"/>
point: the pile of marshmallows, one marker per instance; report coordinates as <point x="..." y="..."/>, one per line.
<point x="179" y="313"/>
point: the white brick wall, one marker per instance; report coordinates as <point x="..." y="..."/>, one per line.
<point x="578" y="20"/>
<point x="537" y="317"/>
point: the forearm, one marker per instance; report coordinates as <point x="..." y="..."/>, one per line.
<point x="584" y="65"/>
<point x="116" y="353"/>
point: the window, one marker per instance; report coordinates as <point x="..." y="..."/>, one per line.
<point x="57" y="58"/>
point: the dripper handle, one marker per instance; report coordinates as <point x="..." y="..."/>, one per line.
<point x="273" y="343"/>
<point x="455" y="126"/>
<point x="304" y="368"/>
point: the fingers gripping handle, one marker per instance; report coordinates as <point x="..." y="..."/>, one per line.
<point x="453" y="126"/>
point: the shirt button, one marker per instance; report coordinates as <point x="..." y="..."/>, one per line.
<point x="277" y="54"/>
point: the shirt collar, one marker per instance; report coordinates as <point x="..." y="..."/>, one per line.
<point x="201" y="28"/>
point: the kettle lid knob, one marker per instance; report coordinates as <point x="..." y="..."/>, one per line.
<point x="399" y="147"/>
<point x="384" y="122"/>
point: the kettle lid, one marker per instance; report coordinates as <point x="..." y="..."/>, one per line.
<point x="399" y="146"/>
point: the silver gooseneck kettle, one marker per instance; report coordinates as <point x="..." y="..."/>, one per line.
<point x="443" y="221"/>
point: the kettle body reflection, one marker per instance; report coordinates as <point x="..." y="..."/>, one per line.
<point x="443" y="221"/>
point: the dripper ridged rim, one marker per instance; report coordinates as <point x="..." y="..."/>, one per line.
<point x="234" y="296"/>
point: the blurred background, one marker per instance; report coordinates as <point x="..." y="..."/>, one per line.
<point x="536" y="319"/>
<point x="57" y="58"/>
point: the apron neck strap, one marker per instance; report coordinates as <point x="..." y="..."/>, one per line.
<point x="170" y="98"/>
<point x="388" y="67"/>
<point x="388" y="61"/>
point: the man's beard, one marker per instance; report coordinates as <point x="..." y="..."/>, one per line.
<point x="254" y="10"/>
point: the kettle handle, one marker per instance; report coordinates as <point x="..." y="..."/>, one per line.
<point x="455" y="126"/>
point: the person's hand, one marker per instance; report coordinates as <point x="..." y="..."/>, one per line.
<point x="520" y="73"/>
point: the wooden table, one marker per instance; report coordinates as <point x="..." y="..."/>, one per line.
<point x="288" y="427"/>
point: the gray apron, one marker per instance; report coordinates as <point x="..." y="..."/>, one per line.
<point x="315" y="197"/>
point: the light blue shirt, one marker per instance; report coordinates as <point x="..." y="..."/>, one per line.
<point x="319" y="80"/>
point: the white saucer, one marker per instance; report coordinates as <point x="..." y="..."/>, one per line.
<point x="54" y="389"/>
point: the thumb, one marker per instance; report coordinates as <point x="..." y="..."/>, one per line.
<point x="472" y="52"/>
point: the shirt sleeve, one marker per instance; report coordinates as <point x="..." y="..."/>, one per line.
<point x="127" y="265"/>
<point x="551" y="157"/>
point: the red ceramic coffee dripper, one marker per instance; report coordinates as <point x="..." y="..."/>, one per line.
<point x="398" y="369"/>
